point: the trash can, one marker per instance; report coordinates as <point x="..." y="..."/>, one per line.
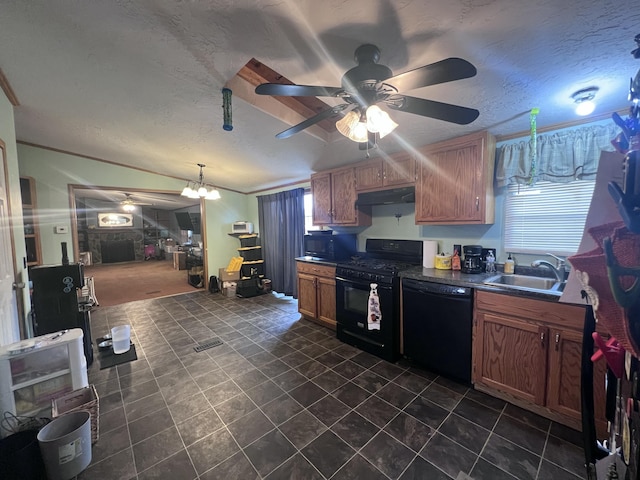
<point x="20" y="457"/>
<point x="65" y="444"/>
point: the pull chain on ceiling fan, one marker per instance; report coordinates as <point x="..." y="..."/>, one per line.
<point x="369" y="84"/>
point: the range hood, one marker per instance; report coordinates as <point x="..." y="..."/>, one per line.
<point x="387" y="197"/>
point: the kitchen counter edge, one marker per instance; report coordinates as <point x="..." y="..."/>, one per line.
<point x="319" y="261"/>
<point x="472" y="280"/>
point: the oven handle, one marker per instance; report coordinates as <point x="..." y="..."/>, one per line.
<point x="366" y="285"/>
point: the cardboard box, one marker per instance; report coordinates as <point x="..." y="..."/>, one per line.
<point x="226" y="276"/>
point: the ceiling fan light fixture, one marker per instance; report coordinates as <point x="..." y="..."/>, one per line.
<point x="352" y="127"/>
<point x="127" y="207"/>
<point x="379" y="121"/>
<point x="359" y="133"/>
<point x="584" y="100"/>
<point x="347" y="123"/>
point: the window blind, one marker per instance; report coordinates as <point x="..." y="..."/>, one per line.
<point x="546" y="217"/>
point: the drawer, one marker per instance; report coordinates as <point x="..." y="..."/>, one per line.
<point x="316" y="269"/>
<point x="556" y="313"/>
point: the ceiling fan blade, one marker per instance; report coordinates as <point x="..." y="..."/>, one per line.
<point x="446" y="70"/>
<point x="311" y="121"/>
<point x="439" y="110"/>
<point x="279" y="89"/>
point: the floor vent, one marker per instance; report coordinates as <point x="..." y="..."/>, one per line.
<point x="210" y="344"/>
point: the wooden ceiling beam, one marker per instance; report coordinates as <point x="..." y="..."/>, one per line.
<point x="256" y="73"/>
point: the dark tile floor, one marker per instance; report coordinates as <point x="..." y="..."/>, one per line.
<point x="283" y="399"/>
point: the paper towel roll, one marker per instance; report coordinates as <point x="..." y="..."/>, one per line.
<point x="429" y="252"/>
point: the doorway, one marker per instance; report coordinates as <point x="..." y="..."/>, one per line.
<point x="117" y="232"/>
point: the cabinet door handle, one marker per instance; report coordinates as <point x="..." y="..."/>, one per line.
<point x="557" y="341"/>
<point x="477" y="204"/>
<point x="542" y="338"/>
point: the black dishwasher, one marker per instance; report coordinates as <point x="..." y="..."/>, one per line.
<point x="437" y="327"/>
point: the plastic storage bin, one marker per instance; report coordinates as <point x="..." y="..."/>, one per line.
<point x="250" y="254"/>
<point x="248" y="240"/>
<point x="252" y="269"/>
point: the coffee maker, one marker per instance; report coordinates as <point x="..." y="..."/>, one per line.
<point x="472" y="262"/>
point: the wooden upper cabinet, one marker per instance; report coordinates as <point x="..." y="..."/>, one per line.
<point x="455" y="181"/>
<point x="321" y="192"/>
<point x="399" y="170"/>
<point x="343" y="189"/>
<point x="334" y="199"/>
<point x="369" y="175"/>
<point x="377" y="174"/>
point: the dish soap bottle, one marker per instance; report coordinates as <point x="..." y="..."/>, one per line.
<point x="455" y="260"/>
<point x="509" y="265"/>
<point x="491" y="262"/>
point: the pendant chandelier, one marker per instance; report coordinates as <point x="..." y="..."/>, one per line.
<point x="200" y="189"/>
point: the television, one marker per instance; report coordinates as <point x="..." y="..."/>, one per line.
<point x="188" y="221"/>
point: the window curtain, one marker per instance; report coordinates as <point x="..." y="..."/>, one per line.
<point x="281" y="220"/>
<point x="561" y="157"/>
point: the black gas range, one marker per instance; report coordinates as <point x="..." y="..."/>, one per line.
<point x="381" y="265"/>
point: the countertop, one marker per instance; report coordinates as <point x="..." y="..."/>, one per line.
<point x="455" y="277"/>
<point x="473" y="280"/>
<point x="317" y="260"/>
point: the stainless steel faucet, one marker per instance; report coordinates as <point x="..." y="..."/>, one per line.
<point x="558" y="269"/>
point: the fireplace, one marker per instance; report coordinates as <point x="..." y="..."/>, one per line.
<point x="114" y="251"/>
<point x="116" y="245"/>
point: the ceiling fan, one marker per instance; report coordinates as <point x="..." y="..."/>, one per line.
<point x="129" y="204"/>
<point x="369" y="84"/>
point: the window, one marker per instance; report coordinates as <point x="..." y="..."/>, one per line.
<point x="308" y="209"/>
<point x="546" y="217"/>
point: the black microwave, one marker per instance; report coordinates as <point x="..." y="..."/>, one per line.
<point x="330" y="247"/>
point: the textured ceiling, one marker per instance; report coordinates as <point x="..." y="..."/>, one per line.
<point x="139" y="82"/>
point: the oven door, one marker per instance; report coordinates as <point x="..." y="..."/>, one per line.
<point x="352" y="298"/>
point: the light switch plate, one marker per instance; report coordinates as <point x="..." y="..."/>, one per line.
<point x="61" y="229"/>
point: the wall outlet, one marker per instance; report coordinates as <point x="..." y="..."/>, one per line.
<point x="61" y="229"/>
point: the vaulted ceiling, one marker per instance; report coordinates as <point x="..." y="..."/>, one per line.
<point x="139" y="82"/>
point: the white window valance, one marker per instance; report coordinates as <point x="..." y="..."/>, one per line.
<point x="561" y="157"/>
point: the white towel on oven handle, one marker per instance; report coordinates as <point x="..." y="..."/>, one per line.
<point x="374" y="315"/>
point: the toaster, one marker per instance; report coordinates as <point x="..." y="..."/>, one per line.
<point x="242" y="227"/>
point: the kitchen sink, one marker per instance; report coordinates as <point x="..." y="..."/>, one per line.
<point x="527" y="283"/>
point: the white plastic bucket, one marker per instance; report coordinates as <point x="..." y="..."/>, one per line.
<point x="65" y="445"/>
<point x="121" y="338"/>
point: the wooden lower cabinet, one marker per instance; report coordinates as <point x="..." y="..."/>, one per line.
<point x="512" y="356"/>
<point x="317" y="293"/>
<point x="529" y="352"/>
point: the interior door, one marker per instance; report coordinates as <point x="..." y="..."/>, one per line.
<point x="9" y="323"/>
